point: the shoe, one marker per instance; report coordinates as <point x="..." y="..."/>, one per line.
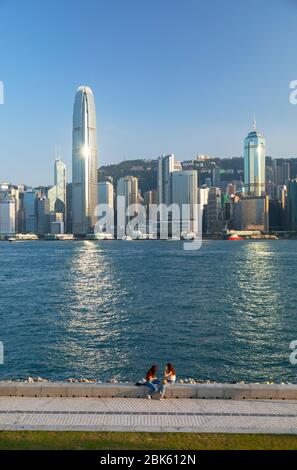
<point x="149" y="397"/>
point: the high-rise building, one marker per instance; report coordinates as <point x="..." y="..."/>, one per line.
<point x="281" y="171"/>
<point x="252" y="214"/>
<point x="185" y="195"/>
<point x="214" y="211"/>
<point x="56" y="223"/>
<point x="128" y="187"/>
<point x="166" y="166"/>
<point x="7" y="216"/>
<point x="254" y="163"/>
<point x="292" y="205"/>
<point x="57" y="194"/>
<point x="69" y="208"/>
<point x="43" y="216"/>
<point x="84" y="162"/>
<point x="106" y="193"/>
<point x="29" y="205"/>
<point x="216" y="177"/>
<point x="150" y="197"/>
<point x="203" y="196"/>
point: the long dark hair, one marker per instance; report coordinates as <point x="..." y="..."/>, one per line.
<point x="152" y="372"/>
<point x="170" y="369"/>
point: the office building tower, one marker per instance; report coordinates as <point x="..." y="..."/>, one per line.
<point x="106" y="193"/>
<point x="29" y="204"/>
<point x="165" y="168"/>
<point x="282" y="195"/>
<point x="84" y="163"/>
<point x="128" y="187"/>
<point x="292" y="205"/>
<point x="254" y="163"/>
<point x="252" y="214"/>
<point x="203" y="196"/>
<point x="7" y="216"/>
<point x="281" y="171"/>
<point x="214" y="211"/>
<point x="127" y="194"/>
<point x="185" y="196"/>
<point x="43" y="216"/>
<point x="12" y="192"/>
<point x="68" y="226"/>
<point x="57" y="194"/>
<point x="216" y="177"/>
<point x="57" y="223"/>
<point x="151" y="197"/>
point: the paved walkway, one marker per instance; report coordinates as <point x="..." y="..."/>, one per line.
<point x="103" y="414"/>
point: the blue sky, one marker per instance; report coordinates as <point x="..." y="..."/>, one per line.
<point x="169" y="76"/>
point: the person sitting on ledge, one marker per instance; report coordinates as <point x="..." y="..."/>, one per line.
<point x="169" y="374"/>
<point x="153" y="383"/>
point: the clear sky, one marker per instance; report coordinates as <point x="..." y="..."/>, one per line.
<point x="169" y="76"/>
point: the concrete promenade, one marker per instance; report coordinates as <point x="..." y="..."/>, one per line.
<point x="141" y="415"/>
<point x="199" y="408"/>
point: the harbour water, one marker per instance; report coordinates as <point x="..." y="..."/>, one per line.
<point x="110" y="309"/>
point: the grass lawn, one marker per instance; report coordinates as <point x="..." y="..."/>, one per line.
<point x="25" y="440"/>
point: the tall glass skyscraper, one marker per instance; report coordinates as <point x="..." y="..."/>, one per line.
<point x="165" y="170"/>
<point x="254" y="163"/>
<point x="57" y="194"/>
<point x="84" y="162"/>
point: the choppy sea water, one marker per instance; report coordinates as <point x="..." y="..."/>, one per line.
<point x="110" y="309"/>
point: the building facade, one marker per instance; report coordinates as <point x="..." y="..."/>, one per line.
<point x="57" y="194"/>
<point x="214" y="211"/>
<point x="254" y="163"/>
<point x="185" y="196"/>
<point x="252" y="214"/>
<point x="165" y="169"/>
<point x="106" y="193"/>
<point x="7" y="216"/>
<point x="84" y="162"/>
<point x="292" y="205"/>
<point x="29" y="205"/>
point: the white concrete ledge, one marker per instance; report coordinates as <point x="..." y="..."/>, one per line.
<point x="197" y="391"/>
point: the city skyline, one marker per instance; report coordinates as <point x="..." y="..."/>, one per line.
<point x="200" y="99"/>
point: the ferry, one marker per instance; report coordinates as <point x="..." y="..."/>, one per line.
<point x="235" y="237"/>
<point x="127" y="238"/>
<point x="188" y="236"/>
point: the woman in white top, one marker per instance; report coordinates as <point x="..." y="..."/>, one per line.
<point x="169" y="374"/>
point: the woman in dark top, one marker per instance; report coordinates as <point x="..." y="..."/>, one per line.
<point x="153" y="383"/>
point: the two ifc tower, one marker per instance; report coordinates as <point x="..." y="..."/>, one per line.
<point x="85" y="163"/>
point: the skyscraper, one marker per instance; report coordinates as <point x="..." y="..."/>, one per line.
<point x="128" y="187"/>
<point x="214" y="211"/>
<point x="165" y="170"/>
<point x="292" y="205"/>
<point x="7" y="216"/>
<point x="57" y="194"/>
<point x="43" y="216"/>
<point x="185" y="195"/>
<point x="254" y="163"/>
<point x="127" y="194"/>
<point x="84" y="162"/>
<point x="29" y="204"/>
<point x="105" y="193"/>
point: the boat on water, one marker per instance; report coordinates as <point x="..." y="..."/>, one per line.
<point x="127" y="238"/>
<point x="188" y="236"/>
<point x="235" y="237"/>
